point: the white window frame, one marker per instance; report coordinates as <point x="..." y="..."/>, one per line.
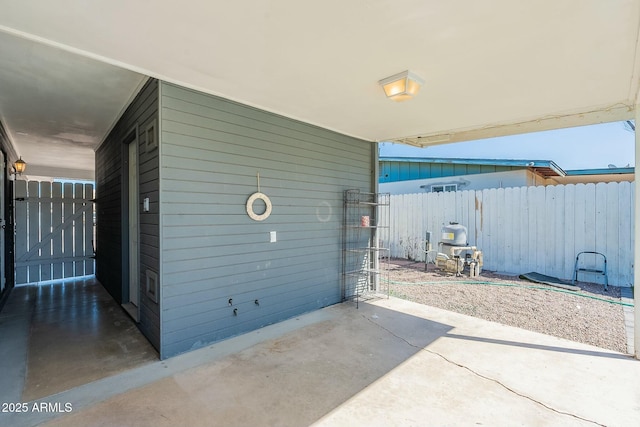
<point x="443" y="188"/>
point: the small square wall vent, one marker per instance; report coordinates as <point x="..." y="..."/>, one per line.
<point x="152" y="285"/>
<point x="151" y="136"/>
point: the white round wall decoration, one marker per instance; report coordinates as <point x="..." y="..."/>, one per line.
<point x="261" y="196"/>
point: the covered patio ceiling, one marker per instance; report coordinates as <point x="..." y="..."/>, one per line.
<point x="491" y="68"/>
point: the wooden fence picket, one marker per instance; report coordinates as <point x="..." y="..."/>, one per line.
<point x="54" y="229"/>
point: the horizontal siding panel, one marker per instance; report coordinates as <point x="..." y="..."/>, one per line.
<point x="306" y="213"/>
<point x="205" y="137"/>
<point x="237" y="205"/>
<point x="324" y="198"/>
<point x="150" y="174"/>
<point x="324" y="191"/>
<point x="229" y="328"/>
<point x="288" y="282"/>
<point x="219" y="107"/>
<point x="242" y="276"/>
<point x="213" y="150"/>
<point x="234" y="256"/>
<point x="249" y="312"/>
<point x="201" y="189"/>
<point x="149" y="221"/>
<point x="150" y="241"/>
<point x="235" y="229"/>
<point x="250" y="249"/>
<point x="240" y="282"/>
<point x="200" y="240"/>
<point x="217" y="310"/>
<point x="204" y="133"/>
<point x="152" y="320"/>
<point x="291" y="194"/>
<point x="225" y="144"/>
<point x="148" y="259"/>
<point x="237" y="173"/>
<point x="186" y="247"/>
<point x="232" y="219"/>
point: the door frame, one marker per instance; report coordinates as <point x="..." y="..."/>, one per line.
<point x="131" y="303"/>
<point x="3" y="223"/>
<point x="10" y="155"/>
<point x="4" y="280"/>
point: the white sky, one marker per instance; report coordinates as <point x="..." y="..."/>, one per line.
<point x="586" y="147"/>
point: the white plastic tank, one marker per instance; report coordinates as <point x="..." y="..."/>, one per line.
<point x="454" y="234"/>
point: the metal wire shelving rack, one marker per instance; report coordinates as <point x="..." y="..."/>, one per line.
<point x="365" y="261"/>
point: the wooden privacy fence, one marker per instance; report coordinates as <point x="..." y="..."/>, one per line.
<point x="54" y="231"/>
<point x="525" y="229"/>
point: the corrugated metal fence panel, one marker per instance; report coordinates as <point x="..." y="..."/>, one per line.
<point x="527" y="228"/>
<point x="54" y="231"/>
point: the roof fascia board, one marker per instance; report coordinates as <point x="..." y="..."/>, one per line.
<point x="488" y="162"/>
<point x="557" y="169"/>
<point x="612" y="113"/>
<point x="607" y="171"/>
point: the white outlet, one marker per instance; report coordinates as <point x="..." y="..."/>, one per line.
<point x="272" y="237"/>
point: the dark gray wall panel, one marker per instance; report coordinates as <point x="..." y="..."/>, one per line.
<point x="110" y="185"/>
<point x="212" y="251"/>
<point x="10" y="157"/>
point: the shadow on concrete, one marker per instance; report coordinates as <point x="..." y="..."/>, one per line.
<point x="336" y="360"/>
<point x="299" y="378"/>
<point x="292" y="374"/>
<point x="543" y="347"/>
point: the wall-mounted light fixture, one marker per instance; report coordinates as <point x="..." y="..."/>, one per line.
<point x="20" y="166"/>
<point x="401" y="86"/>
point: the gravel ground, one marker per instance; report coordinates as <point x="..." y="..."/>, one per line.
<point x="547" y="311"/>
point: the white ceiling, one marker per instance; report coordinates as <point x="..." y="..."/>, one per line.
<point x="57" y="106"/>
<point x="491" y="67"/>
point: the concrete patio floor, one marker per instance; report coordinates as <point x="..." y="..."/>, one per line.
<point x="389" y="363"/>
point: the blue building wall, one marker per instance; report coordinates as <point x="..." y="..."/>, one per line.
<point x="404" y="170"/>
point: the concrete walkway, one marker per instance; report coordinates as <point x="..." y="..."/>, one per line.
<point x="389" y="363"/>
<point x="57" y="336"/>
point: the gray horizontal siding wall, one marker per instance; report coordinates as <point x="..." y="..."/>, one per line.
<point x="211" y="151"/>
<point x="149" y="228"/>
<point x="111" y="180"/>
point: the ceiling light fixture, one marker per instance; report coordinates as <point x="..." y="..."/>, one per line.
<point x="20" y="166"/>
<point x="401" y="86"/>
